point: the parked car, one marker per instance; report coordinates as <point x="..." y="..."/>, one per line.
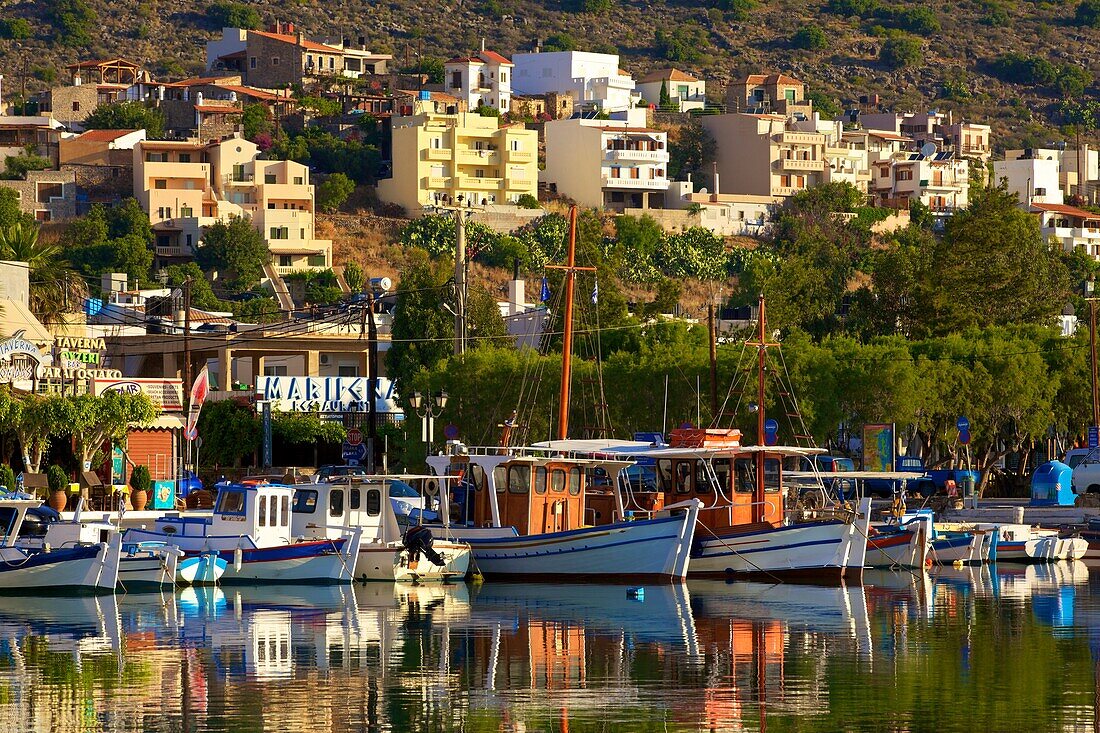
<point x="188" y="482"/>
<point x="1086" y="474"/>
<point x="918" y="485"/>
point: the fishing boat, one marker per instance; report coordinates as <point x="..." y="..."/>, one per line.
<point x="250" y="529"/>
<point x="327" y="510"/>
<point x="532" y="514"/>
<point x="1025" y="543"/>
<point x="893" y="546"/>
<point x="54" y="557"/>
<point x="148" y="566"/>
<point x="204" y="568"/>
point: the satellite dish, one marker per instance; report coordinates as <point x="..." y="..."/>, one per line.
<point x="928" y="150"/>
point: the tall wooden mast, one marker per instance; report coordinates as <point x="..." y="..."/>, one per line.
<point x="758" y="508"/>
<point x="571" y="271"/>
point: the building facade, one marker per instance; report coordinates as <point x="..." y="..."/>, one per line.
<point x="765" y="154"/>
<point x="607" y="163"/>
<point x="768" y="94"/>
<point x="460" y="157"/>
<point x="594" y="80"/>
<point x="484" y="78"/>
<point x="1034" y="180"/>
<point x="186" y="186"/>
<point x="683" y="90"/>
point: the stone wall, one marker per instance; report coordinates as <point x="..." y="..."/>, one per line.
<point x="38" y="197"/>
<point x="62" y="101"/>
<point x="277" y="63"/>
<point x="103" y="183"/>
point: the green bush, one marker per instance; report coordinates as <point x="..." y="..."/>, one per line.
<point x="527" y="201"/>
<point x="900" y="50"/>
<point x="862" y="8"/>
<point x="7" y="478"/>
<point x="684" y="44"/>
<point x="560" y="42"/>
<point x="140" y="479"/>
<point x="334" y="191"/>
<point x="354" y="277"/>
<point x="225" y="14"/>
<point x="737" y="10"/>
<point x="56" y="478"/>
<point x="73" y="22"/>
<point x="16" y="29"/>
<point x="1088" y="13"/>
<point x="127" y="116"/>
<point x="810" y="37"/>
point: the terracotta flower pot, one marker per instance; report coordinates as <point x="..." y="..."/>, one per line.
<point x="58" y="500"/>
<point x="138" y="499"/>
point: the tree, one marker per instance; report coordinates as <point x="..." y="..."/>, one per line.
<point x="353" y="276"/>
<point x="224" y="14"/>
<point x="256" y="120"/>
<point x="230" y="431"/>
<point x="115" y="239"/>
<point x="95" y="421"/>
<point x="127" y="116"/>
<point x="35" y="419"/>
<point x="560" y="42"/>
<point x="334" y="191"/>
<point x="664" y="100"/>
<point x="527" y="201"/>
<point x="7" y="478"/>
<point x="55" y="288"/>
<point x="304" y="427"/>
<point x="691" y="150"/>
<point x="73" y="22"/>
<point x="810" y="37"/>
<point x="1088" y="13"/>
<point x="684" y="44"/>
<point x="10" y="213"/>
<point x="900" y="50"/>
<point x="16" y="166"/>
<point x="16" y="29"/>
<point x="421" y="328"/>
<point x="140" y="480"/>
<point x="236" y="251"/>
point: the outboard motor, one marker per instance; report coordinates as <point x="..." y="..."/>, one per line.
<point x="418" y="541"/>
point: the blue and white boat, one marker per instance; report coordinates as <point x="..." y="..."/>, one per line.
<point x="54" y="557"/>
<point x="250" y="530"/>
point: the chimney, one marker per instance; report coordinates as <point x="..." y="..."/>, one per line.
<point x="76" y="80"/>
<point x="517" y="291"/>
<point x="301" y="38"/>
<point x="483" y="44"/>
<point x="717" y="188"/>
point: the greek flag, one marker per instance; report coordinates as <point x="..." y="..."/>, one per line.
<point x="596" y="292"/>
<point x="545" y="297"/>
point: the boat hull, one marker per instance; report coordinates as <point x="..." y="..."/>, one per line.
<point x="651" y="551"/>
<point x="390" y="563"/>
<point x="801" y="551"/>
<point x="203" y="569"/>
<point x="898" y="548"/>
<point x="81" y="569"/>
<point x="147" y="573"/>
<point x="964" y="549"/>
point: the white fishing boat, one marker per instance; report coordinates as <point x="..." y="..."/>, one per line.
<point x="204" y="568"/>
<point x="893" y="546"/>
<point x="1025" y="543"/>
<point x="250" y="530"/>
<point x="46" y="556"/>
<point x="328" y="510"/>
<point x="148" y="566"/>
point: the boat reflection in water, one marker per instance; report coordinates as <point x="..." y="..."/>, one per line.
<point x="708" y="655"/>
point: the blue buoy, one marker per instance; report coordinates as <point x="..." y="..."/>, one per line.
<point x="637" y="593"/>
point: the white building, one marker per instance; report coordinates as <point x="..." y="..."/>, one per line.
<point x="484" y="78"/>
<point x="607" y="163"/>
<point x="593" y="79"/>
<point x="1034" y="180"/>
<point x="1071" y="227"/>
<point x="684" y="91"/>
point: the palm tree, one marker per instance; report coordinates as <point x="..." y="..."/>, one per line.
<point x="55" y="287"/>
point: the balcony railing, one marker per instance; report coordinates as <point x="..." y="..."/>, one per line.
<point x="801" y="138"/>
<point x="647" y="183"/>
<point x="795" y="164"/>
<point x="656" y="156"/>
<point x="520" y="156"/>
<point x="174" y="252"/>
<point x="437" y="154"/>
<point x="475" y="182"/>
<point x="479" y="157"/>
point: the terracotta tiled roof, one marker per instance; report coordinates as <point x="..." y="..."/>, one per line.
<point x="496" y="58"/>
<point x="770" y="79"/>
<point x="217" y="109"/>
<point x="1067" y="210"/>
<point x="667" y="75"/>
<point x="104" y="136"/>
<point x="464" y="60"/>
<point x="294" y="40"/>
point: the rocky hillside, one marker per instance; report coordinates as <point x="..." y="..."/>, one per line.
<point x="912" y="54"/>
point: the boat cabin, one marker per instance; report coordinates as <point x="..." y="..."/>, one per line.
<point x="534" y="491"/>
<point x="259" y="511"/>
<point x="327" y="510"/>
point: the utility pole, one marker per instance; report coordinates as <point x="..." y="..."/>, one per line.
<point x="1092" y="350"/>
<point x="372" y="384"/>
<point x="713" y="365"/>
<point x="460" y="281"/>
<point x="187" y="349"/>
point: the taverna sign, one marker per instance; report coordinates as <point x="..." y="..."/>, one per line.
<point x="326" y="394"/>
<point x="20" y="360"/>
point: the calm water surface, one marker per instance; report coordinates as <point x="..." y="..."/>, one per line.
<point x="961" y="650"/>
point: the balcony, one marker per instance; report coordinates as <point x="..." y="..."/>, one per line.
<point x="794" y="164"/>
<point x="642" y="183"/>
<point x="478" y="157"/>
<point x="653" y="156"/>
<point x="799" y="138"/>
<point x="437" y="154"/>
<point x="1074" y="233"/>
<point x="436" y="182"/>
<point x="174" y="252"/>
<point x="468" y="182"/>
<point x="516" y="183"/>
<point x="246" y="179"/>
<point x="520" y="156"/>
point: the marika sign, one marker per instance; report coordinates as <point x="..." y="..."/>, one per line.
<point x="326" y="394"/>
<point x="20" y="360"/>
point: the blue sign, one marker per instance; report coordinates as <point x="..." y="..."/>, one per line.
<point x="353" y="454"/>
<point x="964" y="437"/>
<point x="771" y="431"/>
<point x="1094" y="437"/>
<point x="963" y="425"/>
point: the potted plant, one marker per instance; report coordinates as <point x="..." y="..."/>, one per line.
<point x="7" y="478"/>
<point x="140" y="483"/>
<point x="58" y="481"/>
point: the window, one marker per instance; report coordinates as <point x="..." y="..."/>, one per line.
<point x="272" y="507"/>
<point x="238" y="172"/>
<point x="278" y="370"/>
<point x="336" y="503"/>
<point x="683" y="477"/>
<point x="540" y="480"/>
<point x="280" y="233"/>
<point x="284" y="511"/>
<point x="305" y="500"/>
<point x="519" y="479"/>
<point x="1040" y="192"/>
<point x="186" y="211"/>
<point x="231" y="502"/>
<point x="271" y="204"/>
<point x="269" y="178"/>
<point x="76" y="106"/>
<point x="355" y="499"/>
<point x="575" y="481"/>
<point x="904" y="174"/>
<point x="788" y="94"/>
<point x="744" y="475"/>
<point x="262" y="521"/>
<point x="160" y="184"/>
<point x="252" y="62"/>
<point x="437" y="143"/>
<point x="188" y="237"/>
<point x="682" y="90"/>
<point x="185" y="157"/>
<point x="557" y="481"/>
<point x="331" y="63"/>
<point x="301" y="234"/>
<point x="285" y="261"/>
<point x="374" y="502"/>
<point x="503" y="77"/>
<point x="299" y="180"/>
<point x="513" y="144"/>
<point x="347" y="370"/>
<point x="274" y="60"/>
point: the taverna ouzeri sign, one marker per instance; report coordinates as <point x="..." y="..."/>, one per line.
<point x="20" y="360"/>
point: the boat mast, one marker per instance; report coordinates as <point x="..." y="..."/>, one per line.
<point x="571" y="271"/>
<point x="761" y="351"/>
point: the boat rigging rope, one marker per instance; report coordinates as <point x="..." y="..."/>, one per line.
<point x="738" y="554"/>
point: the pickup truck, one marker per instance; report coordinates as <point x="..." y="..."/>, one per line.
<point x="1086" y="471"/>
<point x="924" y="482"/>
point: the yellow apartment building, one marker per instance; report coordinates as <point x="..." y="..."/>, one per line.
<point x="440" y="157"/>
<point x="186" y="186"/>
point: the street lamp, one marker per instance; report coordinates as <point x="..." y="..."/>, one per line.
<point x="428" y="407"/>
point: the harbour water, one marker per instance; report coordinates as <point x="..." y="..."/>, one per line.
<point x="975" y="649"/>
